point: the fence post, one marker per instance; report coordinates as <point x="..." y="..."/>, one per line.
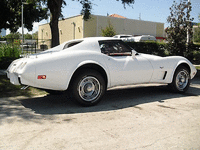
<point x="35" y="47"/>
<point x="13" y="53"/>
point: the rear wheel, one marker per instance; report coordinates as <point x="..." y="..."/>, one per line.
<point x="181" y="80"/>
<point x="88" y="88"/>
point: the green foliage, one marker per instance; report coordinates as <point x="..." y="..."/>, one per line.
<point x="10" y="50"/>
<point x="196" y="58"/>
<point x="15" y="35"/>
<point x="161" y="49"/>
<point x="12" y="36"/>
<point x="153" y="48"/>
<point x="28" y="36"/>
<point x="109" y="31"/>
<point x="8" y="53"/>
<point x="179" y="21"/>
<point x="11" y="11"/>
<point x="35" y="35"/>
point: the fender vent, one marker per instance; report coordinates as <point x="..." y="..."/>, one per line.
<point x="165" y="75"/>
<point x="19" y="80"/>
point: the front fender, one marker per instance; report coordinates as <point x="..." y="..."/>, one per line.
<point x="184" y="62"/>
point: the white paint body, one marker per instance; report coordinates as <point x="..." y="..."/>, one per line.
<point x="60" y="64"/>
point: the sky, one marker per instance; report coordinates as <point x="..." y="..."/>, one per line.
<point x="147" y="10"/>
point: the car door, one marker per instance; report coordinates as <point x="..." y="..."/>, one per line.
<point x="124" y="67"/>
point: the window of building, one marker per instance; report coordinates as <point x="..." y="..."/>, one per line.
<point x="115" y="48"/>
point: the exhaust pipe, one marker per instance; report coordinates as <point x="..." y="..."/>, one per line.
<point x="24" y="87"/>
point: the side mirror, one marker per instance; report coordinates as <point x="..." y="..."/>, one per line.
<point x="134" y="53"/>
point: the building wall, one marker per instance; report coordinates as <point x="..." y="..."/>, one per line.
<point x="66" y="30"/>
<point x="160" y="32"/>
<point x="90" y="27"/>
<point x="71" y="28"/>
<point x="93" y="27"/>
<point x="44" y="35"/>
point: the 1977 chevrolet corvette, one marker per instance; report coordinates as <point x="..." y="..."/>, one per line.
<point x="89" y="66"/>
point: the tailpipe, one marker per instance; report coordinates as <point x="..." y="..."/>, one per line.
<point x="24" y="87"/>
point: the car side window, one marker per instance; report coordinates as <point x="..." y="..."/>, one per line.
<point x="71" y="44"/>
<point x="114" y="48"/>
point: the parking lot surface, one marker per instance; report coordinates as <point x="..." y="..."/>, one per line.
<point x="130" y="117"/>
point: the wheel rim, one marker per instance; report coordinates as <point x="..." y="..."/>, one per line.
<point x="182" y="80"/>
<point x="89" y="88"/>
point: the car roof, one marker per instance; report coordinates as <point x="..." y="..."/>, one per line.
<point x="93" y="39"/>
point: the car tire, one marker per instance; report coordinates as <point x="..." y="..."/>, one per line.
<point x="181" y="80"/>
<point x="88" y="88"/>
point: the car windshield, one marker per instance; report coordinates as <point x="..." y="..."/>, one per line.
<point x="125" y="36"/>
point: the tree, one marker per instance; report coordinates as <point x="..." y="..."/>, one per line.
<point x="180" y="24"/>
<point x="10" y="14"/>
<point x="56" y="12"/>
<point x="28" y="36"/>
<point x="15" y="35"/>
<point x="35" y="35"/>
<point x="12" y="36"/>
<point x="109" y="31"/>
<point x="199" y="17"/>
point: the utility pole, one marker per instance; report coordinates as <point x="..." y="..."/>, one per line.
<point x="23" y="25"/>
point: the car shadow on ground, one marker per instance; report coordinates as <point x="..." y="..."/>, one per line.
<point x="113" y="100"/>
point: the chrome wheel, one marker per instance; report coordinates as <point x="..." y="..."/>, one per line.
<point x="182" y="80"/>
<point x="89" y="88"/>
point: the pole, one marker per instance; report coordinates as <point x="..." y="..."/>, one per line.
<point x="188" y="38"/>
<point x="22" y="27"/>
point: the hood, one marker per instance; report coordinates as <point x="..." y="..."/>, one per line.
<point x="148" y="56"/>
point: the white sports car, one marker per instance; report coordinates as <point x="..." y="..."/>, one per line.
<point x="87" y="67"/>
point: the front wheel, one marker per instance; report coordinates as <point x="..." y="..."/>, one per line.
<point x="181" y="80"/>
<point x="88" y="88"/>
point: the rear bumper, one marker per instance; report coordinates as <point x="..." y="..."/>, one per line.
<point x="14" y="78"/>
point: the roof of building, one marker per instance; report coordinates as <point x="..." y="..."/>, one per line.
<point x="116" y="16"/>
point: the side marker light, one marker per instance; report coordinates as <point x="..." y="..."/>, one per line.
<point x="41" y="77"/>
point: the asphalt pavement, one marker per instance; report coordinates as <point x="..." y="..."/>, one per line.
<point x="142" y="117"/>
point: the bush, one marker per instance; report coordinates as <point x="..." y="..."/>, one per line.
<point x="196" y="58"/>
<point x="164" y="49"/>
<point x="8" y="53"/>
